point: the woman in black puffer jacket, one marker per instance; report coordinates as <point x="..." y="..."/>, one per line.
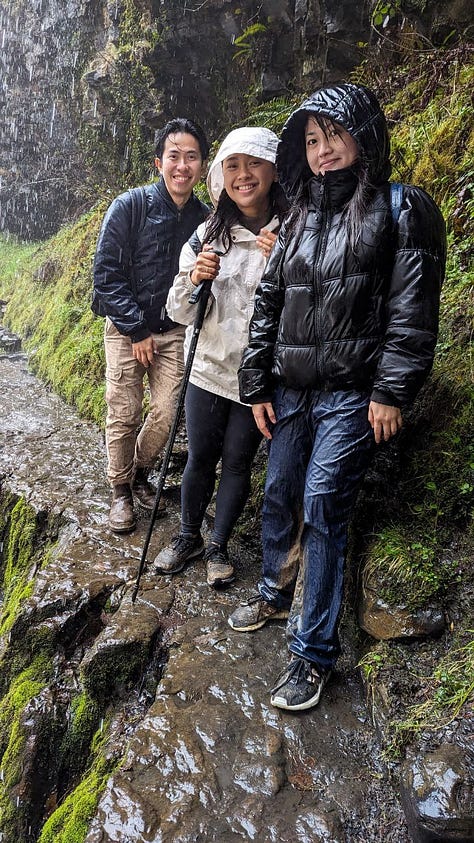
<point x="342" y="337"/>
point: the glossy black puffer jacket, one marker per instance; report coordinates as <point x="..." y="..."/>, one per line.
<point x="134" y="270"/>
<point x="326" y="317"/>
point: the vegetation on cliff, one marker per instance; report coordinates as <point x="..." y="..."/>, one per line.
<point x="417" y="529"/>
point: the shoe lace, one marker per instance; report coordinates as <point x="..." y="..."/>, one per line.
<point x="255" y="598"/>
<point x="216" y="556"/>
<point x="301" y="669"/>
<point x="180" y="543"/>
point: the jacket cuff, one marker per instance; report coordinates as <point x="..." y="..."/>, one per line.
<point x="384" y="398"/>
<point x="140" y="335"/>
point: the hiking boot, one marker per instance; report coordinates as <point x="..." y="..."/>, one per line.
<point x="255" y="613"/>
<point x="182" y="549"/>
<point x="145" y="493"/>
<point x="121" y="517"/>
<point x="219" y="570"/>
<point x="300" y="686"/>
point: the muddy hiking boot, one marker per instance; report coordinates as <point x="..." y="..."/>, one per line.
<point x="182" y="549"/>
<point x="219" y="570"/>
<point x="300" y="686"/>
<point x="145" y="493"/>
<point x="121" y="515"/>
<point x="255" y="613"/>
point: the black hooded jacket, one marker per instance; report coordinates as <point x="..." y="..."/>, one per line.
<point x="326" y="317"/>
<point x="134" y="270"/>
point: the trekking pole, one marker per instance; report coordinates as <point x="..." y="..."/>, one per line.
<point x="201" y="296"/>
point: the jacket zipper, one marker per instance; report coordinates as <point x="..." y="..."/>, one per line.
<point x="318" y="287"/>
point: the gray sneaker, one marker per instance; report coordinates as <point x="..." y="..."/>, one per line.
<point x="254" y="613"/>
<point x="219" y="569"/>
<point x="182" y="549"/>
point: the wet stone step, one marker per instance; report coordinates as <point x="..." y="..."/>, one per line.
<point x="9" y="343"/>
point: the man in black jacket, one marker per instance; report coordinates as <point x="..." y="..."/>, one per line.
<point x="136" y="260"/>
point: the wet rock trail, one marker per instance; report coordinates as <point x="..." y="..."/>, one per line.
<point x="203" y="755"/>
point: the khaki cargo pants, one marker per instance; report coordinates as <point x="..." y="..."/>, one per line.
<point x="128" y="446"/>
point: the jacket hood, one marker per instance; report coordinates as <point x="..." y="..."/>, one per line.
<point x="355" y="108"/>
<point x="250" y="140"/>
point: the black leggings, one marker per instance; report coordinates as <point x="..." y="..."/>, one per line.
<point x="217" y="428"/>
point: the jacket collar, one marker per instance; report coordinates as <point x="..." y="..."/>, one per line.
<point x="334" y="189"/>
<point x="239" y="232"/>
<point x="162" y="190"/>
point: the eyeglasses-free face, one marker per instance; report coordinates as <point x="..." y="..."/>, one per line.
<point x="331" y="148"/>
<point x="181" y="166"/>
<point x="247" y="181"/>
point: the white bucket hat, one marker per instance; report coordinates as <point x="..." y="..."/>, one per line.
<point x="250" y="140"/>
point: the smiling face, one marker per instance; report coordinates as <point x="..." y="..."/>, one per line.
<point x="248" y="180"/>
<point x="331" y="148"/>
<point x="180" y="165"/>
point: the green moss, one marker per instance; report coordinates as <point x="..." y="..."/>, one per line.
<point x="76" y="746"/>
<point x="70" y="821"/>
<point x="23" y="689"/>
<point x="20" y="549"/>
<point x="407" y="569"/>
<point x="63" y="336"/>
<point x="114" y="669"/>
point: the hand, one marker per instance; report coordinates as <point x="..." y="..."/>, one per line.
<point x="265" y="241"/>
<point x="384" y="420"/>
<point x="206" y="267"/>
<point x="263" y="413"/>
<point x="144" y="351"/>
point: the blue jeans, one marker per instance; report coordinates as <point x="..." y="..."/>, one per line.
<point x="321" y="447"/>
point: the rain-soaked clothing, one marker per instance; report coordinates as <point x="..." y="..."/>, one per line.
<point x="334" y="328"/>
<point x="218" y="425"/>
<point x="135" y="263"/>
<point x="124" y="377"/>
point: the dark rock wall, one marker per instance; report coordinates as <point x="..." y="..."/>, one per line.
<point x="44" y="46"/>
<point x="85" y="83"/>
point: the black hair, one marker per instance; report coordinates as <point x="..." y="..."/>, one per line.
<point x="227" y="214"/>
<point x="177" y="125"/>
<point x="355" y="210"/>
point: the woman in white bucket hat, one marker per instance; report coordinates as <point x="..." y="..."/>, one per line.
<point x="230" y="248"/>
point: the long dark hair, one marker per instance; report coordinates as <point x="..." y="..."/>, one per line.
<point x="356" y="208"/>
<point x="227" y="214"/>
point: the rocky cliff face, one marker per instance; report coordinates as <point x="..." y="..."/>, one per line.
<point x="85" y="84"/>
<point x="44" y="46"/>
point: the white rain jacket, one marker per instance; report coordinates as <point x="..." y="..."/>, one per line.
<point x="224" y="333"/>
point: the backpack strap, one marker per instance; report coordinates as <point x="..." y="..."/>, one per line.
<point x="139" y="209"/>
<point x="195" y="243"/>
<point x="396" y="196"/>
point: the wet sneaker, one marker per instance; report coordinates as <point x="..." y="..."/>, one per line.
<point x="255" y="613"/>
<point x="220" y="571"/>
<point x="300" y="686"/>
<point x="182" y="549"/>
